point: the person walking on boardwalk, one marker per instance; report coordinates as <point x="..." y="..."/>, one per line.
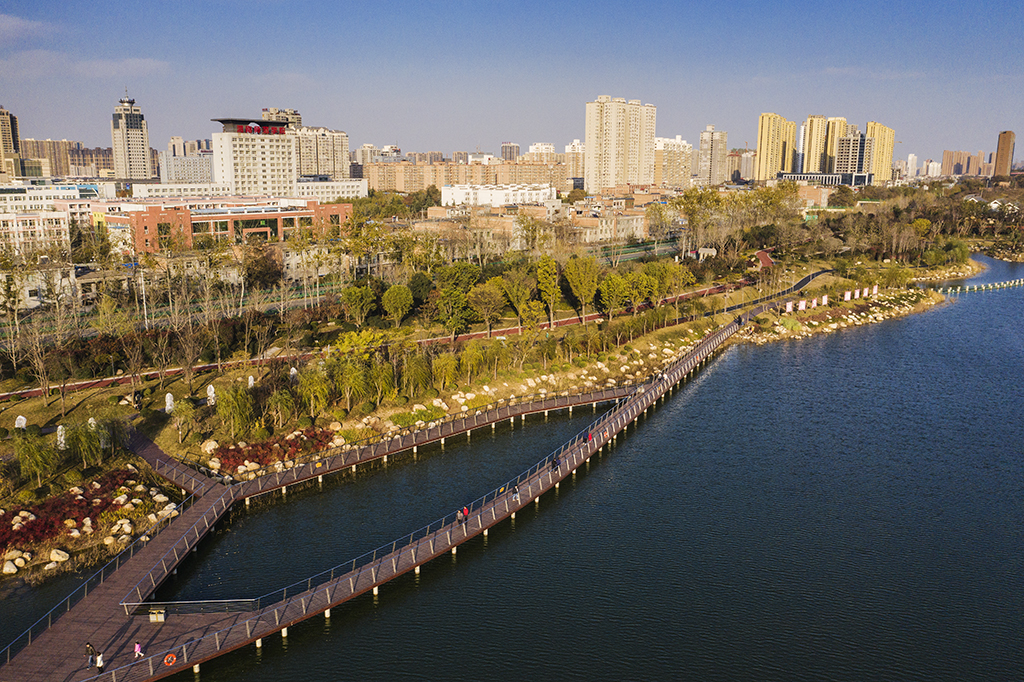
<point x="458" y="517"/>
<point x="90" y="652"/>
<point x="99" y="662"/>
<point x="515" y="494"/>
<point x="465" y="513"/>
<point x="138" y="650"/>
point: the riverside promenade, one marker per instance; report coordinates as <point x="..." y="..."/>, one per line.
<point x="108" y="615"/>
<point x="113" y="616"/>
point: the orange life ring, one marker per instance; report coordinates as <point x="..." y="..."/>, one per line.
<point x="170" y="659"/>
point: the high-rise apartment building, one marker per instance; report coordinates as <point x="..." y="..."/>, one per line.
<point x="130" y="139"/>
<point x="776" y="138"/>
<point x="835" y="129"/>
<point x="289" y="116"/>
<point x="1004" y="153"/>
<point x="672" y="158"/>
<point x="815" y="137"/>
<point x="855" y="153"/>
<point x="509" y="151"/>
<point x="619" y="143"/>
<point x="714" y="148"/>
<point x="884" y="147"/>
<point x="322" y="152"/>
<point x="575" y="159"/>
<point x="460" y="157"/>
<point x="57" y="152"/>
<point x="10" y="140"/>
<point x="911" y="165"/>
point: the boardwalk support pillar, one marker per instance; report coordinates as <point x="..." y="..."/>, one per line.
<point x="513" y="517"/>
<point x="492" y="426"/>
<point x="284" y="632"/>
<point x="442" y="442"/>
<point x="485" y="532"/>
<point x="570" y="410"/>
<point x="327" y="614"/>
<point x="195" y="668"/>
<point x="376" y="590"/>
<point x="385" y="459"/>
<point x="415" y="449"/>
<point x="455" y="550"/>
<point x="247" y="502"/>
<point x="417" y="570"/>
<point x="353" y="468"/>
<point x="259" y="643"/>
<point x="320" y="479"/>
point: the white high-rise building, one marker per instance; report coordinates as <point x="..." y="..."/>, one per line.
<point x="130" y="141"/>
<point x="255" y="159"/>
<point x="912" y="165"/>
<point x="619" y="143"/>
<point x="575" y="159"/>
<point x="714" y="148"/>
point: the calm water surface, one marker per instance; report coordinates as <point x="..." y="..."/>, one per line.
<point x="846" y="507"/>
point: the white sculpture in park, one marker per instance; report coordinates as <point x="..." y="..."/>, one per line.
<point x="20" y="422"/>
<point x="61" y="443"/>
<point x="252" y="382"/>
<point x="294" y="375"/>
<point x="169" y="403"/>
<point x="211" y="395"/>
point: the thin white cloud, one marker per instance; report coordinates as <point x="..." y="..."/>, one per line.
<point x="14" y="28"/>
<point x="870" y="74"/>
<point x="31" y="65"/>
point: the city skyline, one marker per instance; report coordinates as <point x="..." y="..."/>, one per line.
<point x="448" y="85"/>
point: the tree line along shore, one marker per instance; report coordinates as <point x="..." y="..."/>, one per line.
<point x="346" y="368"/>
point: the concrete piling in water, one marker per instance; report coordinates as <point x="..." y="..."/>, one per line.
<point x="376" y="590"/>
<point x="259" y="643"/>
<point x="195" y="668"/>
<point x="284" y="632"/>
<point x="455" y="550"/>
<point x="417" y="570"/>
<point x="327" y="614"/>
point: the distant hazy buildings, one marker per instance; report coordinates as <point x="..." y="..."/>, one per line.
<point x="289" y="116"/>
<point x="322" y="152"/>
<point x="130" y="138"/>
<point x="619" y="143"/>
<point x="672" y="159"/>
<point x="714" y="148"/>
<point x="10" y="139"/>
<point x="509" y="151"/>
<point x="56" y="152"/>
<point x="1004" y="153"/>
<point x="495" y="195"/>
<point x="856" y="153"/>
<point x="575" y="159"/>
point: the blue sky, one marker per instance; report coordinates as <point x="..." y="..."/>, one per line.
<point x="462" y="75"/>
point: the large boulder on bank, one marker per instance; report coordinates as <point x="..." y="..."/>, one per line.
<point x="10" y="568"/>
<point x="209" y="446"/>
<point x="58" y="555"/>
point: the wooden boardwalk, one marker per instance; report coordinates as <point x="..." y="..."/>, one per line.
<point x="186" y="639"/>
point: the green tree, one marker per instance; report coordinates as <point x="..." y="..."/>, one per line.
<point x="382" y="380"/>
<point x="397" y="301"/>
<point x="358" y="303"/>
<point x="34" y="455"/>
<point x="581" y="273"/>
<point x="416" y="376"/>
<point x="453" y="311"/>
<point x="84" y="443"/>
<point x="446" y="370"/>
<point x="471" y="359"/>
<point x="639" y="288"/>
<point x="530" y="232"/>
<point x="613" y="294"/>
<point x="518" y="286"/>
<point x="184" y="417"/>
<point x="547" y="283"/>
<point x="574" y="195"/>
<point x="351" y="378"/>
<point x="488" y="302"/>
<point x="842" y="197"/>
<point x="281" y="406"/>
<point x="235" y="409"/>
<point x="314" y="388"/>
<point x="461" y="276"/>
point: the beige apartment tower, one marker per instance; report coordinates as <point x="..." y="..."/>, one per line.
<point x="672" y="158"/>
<point x="776" y="138"/>
<point x="884" y="147"/>
<point x="619" y="143"/>
<point x="130" y="138"/>
<point x="835" y="129"/>
<point x="815" y="137"/>
<point x="1004" y="153"/>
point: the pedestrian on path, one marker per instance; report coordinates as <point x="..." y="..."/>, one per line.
<point x="90" y="652"/>
<point x="515" y="494"/>
<point x="138" y="650"/>
<point x="99" y="662"/>
<point x="465" y="513"/>
<point x="458" y="517"/>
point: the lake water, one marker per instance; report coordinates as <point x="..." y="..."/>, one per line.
<point x="845" y="507"/>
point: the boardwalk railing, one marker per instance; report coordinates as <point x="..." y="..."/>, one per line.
<point x="162" y="568"/>
<point x="967" y="288"/>
<point x="93" y="581"/>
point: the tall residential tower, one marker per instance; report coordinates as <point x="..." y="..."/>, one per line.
<point x="619" y="143"/>
<point x="1004" y="153"/>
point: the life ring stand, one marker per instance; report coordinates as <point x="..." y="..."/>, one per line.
<point x="170" y="659"/>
